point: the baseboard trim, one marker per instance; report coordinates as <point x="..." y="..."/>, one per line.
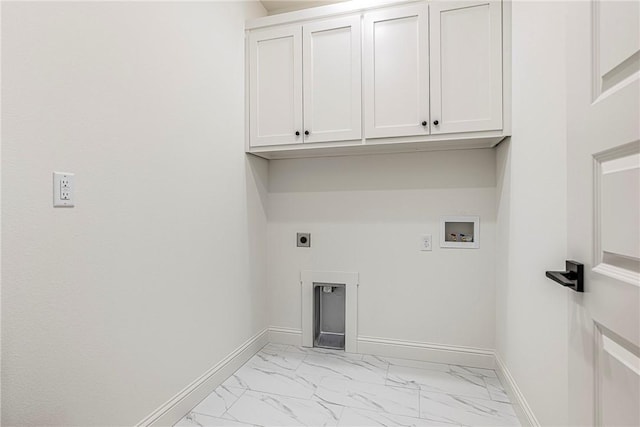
<point x="289" y="336"/>
<point x="176" y="407"/>
<point x="457" y="355"/>
<point x="439" y="353"/>
<point x="520" y="404"/>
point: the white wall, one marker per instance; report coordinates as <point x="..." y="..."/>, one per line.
<point x="365" y="214"/>
<point x="532" y="334"/>
<point x="112" y="307"/>
<point x="0" y="215"/>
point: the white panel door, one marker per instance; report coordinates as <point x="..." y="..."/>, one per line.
<point x="332" y="80"/>
<point x="603" y="172"/>
<point x="396" y="72"/>
<point x="275" y="81"/>
<point x="466" y="66"/>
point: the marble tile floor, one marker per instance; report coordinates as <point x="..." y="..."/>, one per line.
<point x="291" y="386"/>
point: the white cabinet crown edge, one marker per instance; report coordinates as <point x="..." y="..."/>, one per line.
<point x="329" y="11"/>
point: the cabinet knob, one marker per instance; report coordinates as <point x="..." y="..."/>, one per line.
<point x="424" y="123"/>
<point x="435" y="122"/>
<point x="297" y="133"/>
<point x="306" y="132"/>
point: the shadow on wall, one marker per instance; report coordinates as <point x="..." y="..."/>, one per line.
<point x="406" y="171"/>
<point x="256" y="193"/>
<point x="257" y="180"/>
<point x="503" y="240"/>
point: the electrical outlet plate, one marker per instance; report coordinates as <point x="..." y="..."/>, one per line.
<point x="426" y="242"/>
<point x="63" y="186"/>
<point x="303" y="240"/>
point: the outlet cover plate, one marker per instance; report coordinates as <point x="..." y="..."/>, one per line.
<point x="63" y="189"/>
<point x="426" y="242"/>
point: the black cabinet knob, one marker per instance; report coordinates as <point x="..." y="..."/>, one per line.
<point x="297" y="133"/>
<point x="424" y="123"/>
<point x="306" y="132"/>
<point x="435" y="122"/>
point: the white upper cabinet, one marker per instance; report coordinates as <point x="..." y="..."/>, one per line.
<point x="332" y="83"/>
<point x="275" y="112"/>
<point x="329" y="53"/>
<point x="466" y="66"/>
<point x="396" y="72"/>
<point x="379" y="77"/>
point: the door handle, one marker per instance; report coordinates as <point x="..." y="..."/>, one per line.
<point x="572" y="278"/>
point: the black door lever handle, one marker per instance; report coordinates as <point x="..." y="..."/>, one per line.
<point x="562" y="277"/>
<point x="572" y="278"/>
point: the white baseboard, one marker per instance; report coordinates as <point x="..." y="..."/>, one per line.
<point x="457" y="355"/>
<point x="176" y="407"/>
<point x="520" y="404"/>
<point x="287" y="336"/>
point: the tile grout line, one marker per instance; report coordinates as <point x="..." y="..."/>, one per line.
<point x="484" y="380"/>
<point x="341" y="415"/>
<point x="236" y="401"/>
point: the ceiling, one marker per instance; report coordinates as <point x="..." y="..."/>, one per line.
<point x="280" y="6"/>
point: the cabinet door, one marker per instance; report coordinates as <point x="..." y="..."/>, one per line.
<point x="396" y="72"/>
<point x="332" y="80"/>
<point x="466" y="66"/>
<point x="275" y="81"/>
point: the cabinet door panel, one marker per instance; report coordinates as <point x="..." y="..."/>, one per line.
<point x="332" y="82"/>
<point x="396" y="72"/>
<point x="275" y="86"/>
<point x="466" y="66"/>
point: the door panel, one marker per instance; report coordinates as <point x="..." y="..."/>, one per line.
<point x="617" y="380"/>
<point x="332" y="80"/>
<point x="275" y="86"/>
<point x="616" y="46"/>
<point x="616" y="213"/>
<point x="466" y="66"/>
<point x="396" y="72"/>
<point x="603" y="142"/>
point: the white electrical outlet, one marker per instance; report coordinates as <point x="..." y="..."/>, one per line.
<point x="63" y="186"/>
<point x="425" y="242"/>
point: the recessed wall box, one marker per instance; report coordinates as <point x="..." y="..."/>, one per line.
<point x="329" y="315"/>
<point x="460" y="232"/>
<point x="303" y="240"/>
